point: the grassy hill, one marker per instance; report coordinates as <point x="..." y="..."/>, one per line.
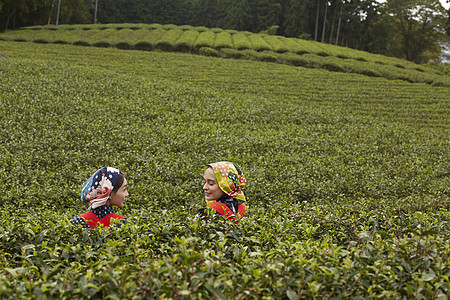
<point x="231" y="44"/>
<point x="348" y="177"/>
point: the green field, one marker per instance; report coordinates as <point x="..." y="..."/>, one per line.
<point x="348" y="177"/>
<point x="232" y="44"/>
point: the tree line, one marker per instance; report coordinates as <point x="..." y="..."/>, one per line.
<point x="410" y="29"/>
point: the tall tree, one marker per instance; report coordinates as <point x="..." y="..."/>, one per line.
<point x="316" y="31"/>
<point x="299" y="18"/>
<point x="447" y="22"/>
<point x="418" y="24"/>
<point x="335" y="6"/>
<point x="324" y="22"/>
<point x="18" y="13"/>
<point x="339" y="22"/>
<point x="75" y="12"/>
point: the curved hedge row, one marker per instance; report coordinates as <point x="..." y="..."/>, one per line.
<point x="149" y="39"/>
<point x="241" y="41"/>
<point x="168" y="41"/>
<point x="296" y="47"/>
<point x="187" y="38"/>
<point x="276" y="43"/>
<point x="258" y="43"/>
<point x="223" y="40"/>
<point x="103" y="38"/>
<point x="125" y="39"/>
<point x="186" y="41"/>
<point x="205" y="39"/>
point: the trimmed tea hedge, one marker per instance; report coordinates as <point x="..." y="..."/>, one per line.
<point x="223" y="40"/>
<point x="168" y="41"/>
<point x="186" y="41"/>
<point x="295" y="47"/>
<point x="205" y="39"/>
<point x="347" y="185"/>
<point x="206" y="51"/>
<point x="258" y="43"/>
<point x="241" y="41"/>
<point x="150" y="39"/>
<point x="187" y="38"/>
<point x="276" y="43"/>
<point x="125" y="39"/>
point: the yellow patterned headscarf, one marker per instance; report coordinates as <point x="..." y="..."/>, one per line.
<point x="230" y="178"/>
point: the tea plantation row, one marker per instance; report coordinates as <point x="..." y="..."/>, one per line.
<point x="231" y="44"/>
<point x="347" y="178"/>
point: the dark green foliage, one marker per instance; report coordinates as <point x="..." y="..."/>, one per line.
<point x="268" y="56"/>
<point x="206" y="51"/>
<point x="272" y="30"/>
<point x="293" y="59"/>
<point x="60" y="42"/>
<point x="40" y="41"/>
<point x="347" y="181"/>
<point x="99" y="44"/>
<point x="399" y="66"/>
<point x="124" y="45"/>
<point x="231" y="53"/>
<point x="332" y="66"/>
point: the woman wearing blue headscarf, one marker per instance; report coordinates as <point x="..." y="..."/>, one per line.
<point x="106" y="188"/>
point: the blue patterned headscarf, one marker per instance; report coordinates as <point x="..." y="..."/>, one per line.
<point x="96" y="190"/>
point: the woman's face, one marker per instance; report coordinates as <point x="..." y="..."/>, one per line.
<point x="211" y="187"/>
<point x="117" y="198"/>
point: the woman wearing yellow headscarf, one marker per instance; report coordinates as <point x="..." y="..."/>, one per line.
<point x="223" y="190"/>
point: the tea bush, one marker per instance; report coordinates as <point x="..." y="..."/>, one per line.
<point x="126" y="38"/>
<point x="241" y="42"/>
<point x="186" y="41"/>
<point x="231" y="53"/>
<point x="295" y="47"/>
<point x="133" y="36"/>
<point x="348" y="180"/>
<point x="258" y="43"/>
<point x="205" y="39"/>
<point x="168" y="40"/>
<point x="206" y="51"/>
<point x="276" y="43"/>
<point x="149" y="39"/>
<point x="223" y="40"/>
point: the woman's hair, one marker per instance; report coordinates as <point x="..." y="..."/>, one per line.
<point x="119" y="182"/>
